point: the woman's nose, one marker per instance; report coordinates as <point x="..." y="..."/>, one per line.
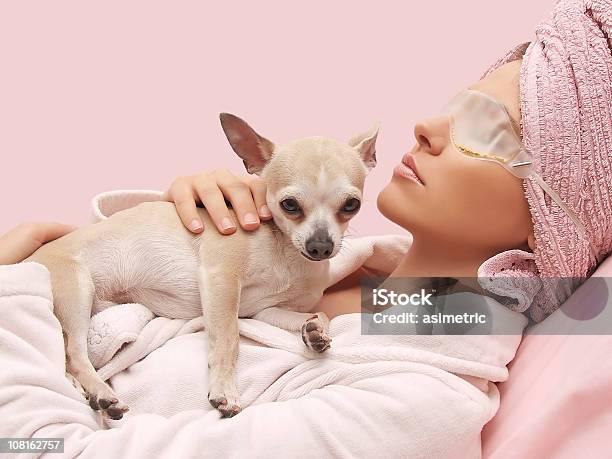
<point x="432" y="134"/>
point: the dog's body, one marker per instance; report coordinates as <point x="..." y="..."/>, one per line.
<point x="145" y="255"/>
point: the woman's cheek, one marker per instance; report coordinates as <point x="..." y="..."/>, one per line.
<point x="492" y="205"/>
<point x="460" y="204"/>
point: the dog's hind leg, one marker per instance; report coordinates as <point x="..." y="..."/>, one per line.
<point x="73" y="293"/>
<point x="220" y="295"/>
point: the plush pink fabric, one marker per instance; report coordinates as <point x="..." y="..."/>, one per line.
<point x="566" y="105"/>
<point x="574" y="420"/>
<point x="557" y="401"/>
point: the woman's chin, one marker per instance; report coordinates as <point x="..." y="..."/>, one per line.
<point x="391" y="202"/>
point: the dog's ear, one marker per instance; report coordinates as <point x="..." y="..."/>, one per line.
<point x="254" y="149"/>
<point x="365" y="144"/>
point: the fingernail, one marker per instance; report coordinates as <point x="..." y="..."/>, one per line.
<point x="195" y="225"/>
<point x="250" y="219"/>
<point x="227" y="224"/>
<point x="264" y="211"/>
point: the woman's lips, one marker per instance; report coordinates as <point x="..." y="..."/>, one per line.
<point x="407" y="169"/>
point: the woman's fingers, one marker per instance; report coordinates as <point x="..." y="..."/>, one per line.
<point x="182" y="195"/>
<point x="247" y="195"/>
<point x="239" y="194"/>
<point x="258" y="190"/>
<point x="211" y="196"/>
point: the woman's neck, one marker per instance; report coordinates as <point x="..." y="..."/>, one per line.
<point x="434" y="260"/>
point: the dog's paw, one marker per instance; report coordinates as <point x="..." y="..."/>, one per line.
<point x="108" y="404"/>
<point x="225" y="401"/>
<point x="314" y="335"/>
<point x="226" y="406"/>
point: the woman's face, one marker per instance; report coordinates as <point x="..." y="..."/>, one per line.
<point x="477" y="204"/>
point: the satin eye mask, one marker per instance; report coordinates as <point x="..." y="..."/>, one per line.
<point x="481" y="128"/>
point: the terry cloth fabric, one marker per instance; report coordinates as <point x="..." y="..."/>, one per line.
<point x="411" y="396"/>
<point x="566" y="105"/>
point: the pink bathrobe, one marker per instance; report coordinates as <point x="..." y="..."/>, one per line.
<point x="368" y="396"/>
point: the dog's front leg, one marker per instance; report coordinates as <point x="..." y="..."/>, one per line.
<point x="220" y="294"/>
<point x="313" y="325"/>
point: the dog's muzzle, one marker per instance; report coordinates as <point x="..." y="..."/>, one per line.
<point x="319" y="246"/>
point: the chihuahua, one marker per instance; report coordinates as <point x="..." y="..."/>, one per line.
<point x="145" y="255"/>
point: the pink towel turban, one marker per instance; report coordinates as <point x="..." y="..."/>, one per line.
<point x="566" y="105"/>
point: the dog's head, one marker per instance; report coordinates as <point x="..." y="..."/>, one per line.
<point x="314" y="184"/>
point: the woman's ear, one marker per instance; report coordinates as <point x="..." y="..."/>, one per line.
<point x="531" y="241"/>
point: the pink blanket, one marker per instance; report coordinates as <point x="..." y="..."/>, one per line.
<point x="558" y="399"/>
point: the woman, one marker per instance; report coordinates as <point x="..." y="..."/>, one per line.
<point x="470" y="210"/>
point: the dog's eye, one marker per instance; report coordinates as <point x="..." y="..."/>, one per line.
<point x="351" y="206"/>
<point x="290" y="206"/>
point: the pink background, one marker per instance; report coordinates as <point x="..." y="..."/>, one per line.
<point x="105" y="95"/>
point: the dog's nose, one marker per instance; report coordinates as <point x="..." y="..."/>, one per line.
<point x="319" y="247"/>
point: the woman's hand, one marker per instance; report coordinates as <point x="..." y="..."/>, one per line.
<point x="247" y="195"/>
<point x="23" y="240"/>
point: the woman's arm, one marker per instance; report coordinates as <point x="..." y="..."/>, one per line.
<point x="23" y="240"/>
